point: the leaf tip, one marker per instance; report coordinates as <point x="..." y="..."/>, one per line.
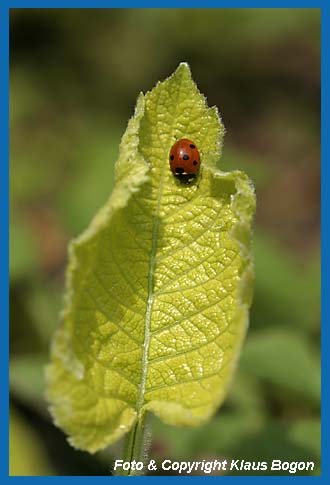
<point x="183" y="69"/>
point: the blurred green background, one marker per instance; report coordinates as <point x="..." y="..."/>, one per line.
<point x="75" y="75"/>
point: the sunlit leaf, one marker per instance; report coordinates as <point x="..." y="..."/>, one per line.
<point x="159" y="286"/>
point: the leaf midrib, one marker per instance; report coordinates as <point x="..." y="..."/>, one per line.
<point x="151" y="294"/>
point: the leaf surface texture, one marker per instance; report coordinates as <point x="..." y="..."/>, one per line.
<point x="159" y="285"/>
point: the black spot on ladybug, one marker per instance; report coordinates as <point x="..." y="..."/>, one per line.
<point x="192" y="146"/>
<point x="179" y="170"/>
<point x="194" y="162"/>
<point x="172" y="157"/>
<point x="185" y="157"/>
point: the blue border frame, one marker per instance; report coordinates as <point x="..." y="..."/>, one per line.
<point x="166" y="4"/>
<point x="4" y="239"/>
<point x="4" y="208"/>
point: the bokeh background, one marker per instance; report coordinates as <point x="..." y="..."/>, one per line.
<point x="74" y="78"/>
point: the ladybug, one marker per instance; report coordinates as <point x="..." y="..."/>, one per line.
<point x="184" y="160"/>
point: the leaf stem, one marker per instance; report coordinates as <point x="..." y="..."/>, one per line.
<point x="137" y="444"/>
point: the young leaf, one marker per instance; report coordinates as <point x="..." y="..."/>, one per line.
<point x="159" y="285"/>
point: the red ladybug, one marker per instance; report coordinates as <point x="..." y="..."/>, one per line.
<point x="184" y="159"/>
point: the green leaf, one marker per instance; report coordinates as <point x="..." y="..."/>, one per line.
<point x="306" y="432"/>
<point x="287" y="361"/>
<point x="246" y="396"/>
<point x="219" y="437"/>
<point x="159" y="285"/>
<point x="274" y="305"/>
